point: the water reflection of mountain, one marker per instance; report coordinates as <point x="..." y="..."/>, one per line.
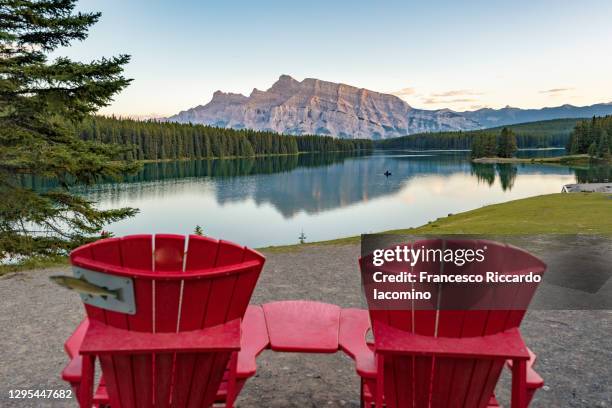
<point x="305" y="183"/>
<point x="360" y="180"/>
<point x="338" y="185"/>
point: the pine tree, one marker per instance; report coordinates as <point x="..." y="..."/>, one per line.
<point x="477" y="147"/>
<point x="483" y="145"/>
<point x="490" y="145"/>
<point x="603" y="147"/>
<point x="41" y="103"/>
<point x="506" y="146"/>
<point x="593" y="150"/>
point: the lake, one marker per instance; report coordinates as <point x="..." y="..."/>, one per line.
<point x="270" y="201"/>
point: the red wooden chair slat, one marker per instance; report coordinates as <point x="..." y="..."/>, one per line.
<point x="202" y="253"/>
<point x="143" y="379"/>
<point x="243" y="290"/>
<point x="137" y="251"/>
<point x="167" y="296"/>
<point x="164" y="370"/>
<point x="169" y="253"/>
<point x="207" y="375"/>
<point x="220" y="295"/>
<point x="110" y="376"/>
<point x="184" y="366"/>
<point x="228" y="253"/>
<point x="195" y="302"/>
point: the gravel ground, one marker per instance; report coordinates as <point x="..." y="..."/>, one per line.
<point x="574" y="348"/>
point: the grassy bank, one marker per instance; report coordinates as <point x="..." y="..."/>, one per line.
<point x="553" y="213"/>
<point x="574" y="159"/>
<point x="34" y="263"/>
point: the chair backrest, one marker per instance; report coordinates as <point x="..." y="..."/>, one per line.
<point x="456" y="382"/>
<point x="179" y="285"/>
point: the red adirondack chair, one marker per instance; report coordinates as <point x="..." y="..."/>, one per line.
<point x="447" y="358"/>
<point x="171" y="336"/>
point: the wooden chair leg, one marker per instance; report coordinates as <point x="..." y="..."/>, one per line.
<point x="361" y="395"/>
<point x="519" y="384"/>
<point x="231" y="381"/>
<point x="378" y="402"/>
<point x="85" y="395"/>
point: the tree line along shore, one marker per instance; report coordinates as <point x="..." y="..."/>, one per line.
<point x="156" y="141"/>
<point x="547" y="133"/>
<point x="591" y="140"/>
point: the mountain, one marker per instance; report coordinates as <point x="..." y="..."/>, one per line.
<point x="313" y="106"/>
<point x="488" y="118"/>
<point x="319" y="107"/>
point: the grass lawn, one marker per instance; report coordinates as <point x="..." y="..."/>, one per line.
<point x="34" y="263"/>
<point x="586" y="213"/>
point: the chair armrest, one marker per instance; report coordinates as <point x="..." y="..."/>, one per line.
<point x="354" y="326"/>
<point x="73" y="344"/>
<point x="73" y="370"/>
<point x="103" y="339"/>
<point x="254" y="341"/>
<point x="506" y="345"/>
<point x="72" y="373"/>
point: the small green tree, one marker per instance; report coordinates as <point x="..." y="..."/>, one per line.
<point x="40" y="104"/>
<point x="198" y="230"/>
<point x="603" y="146"/>
<point x="593" y="150"/>
<point x="483" y="145"/>
<point x="506" y="146"/>
<point x="490" y="145"/>
<point x="477" y="147"/>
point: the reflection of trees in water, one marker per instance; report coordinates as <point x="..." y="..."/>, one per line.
<point x="486" y="173"/>
<point x="507" y="174"/>
<point x="594" y="174"/>
<point x="318" y="183"/>
<point x="222" y="168"/>
<point x="339" y="185"/>
<point x="311" y="183"/>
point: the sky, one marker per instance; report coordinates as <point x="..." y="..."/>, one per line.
<point x="433" y="54"/>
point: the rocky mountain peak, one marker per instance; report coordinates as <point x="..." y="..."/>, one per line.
<point x="220" y="97"/>
<point x="284" y="82"/>
<point x="314" y="106"/>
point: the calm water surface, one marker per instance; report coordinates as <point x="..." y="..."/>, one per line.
<point x="270" y="201"/>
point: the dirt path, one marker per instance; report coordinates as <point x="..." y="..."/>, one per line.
<point x="574" y="348"/>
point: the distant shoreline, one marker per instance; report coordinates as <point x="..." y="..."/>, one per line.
<point x="254" y="156"/>
<point x="568" y="159"/>
<point x="552" y="213"/>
